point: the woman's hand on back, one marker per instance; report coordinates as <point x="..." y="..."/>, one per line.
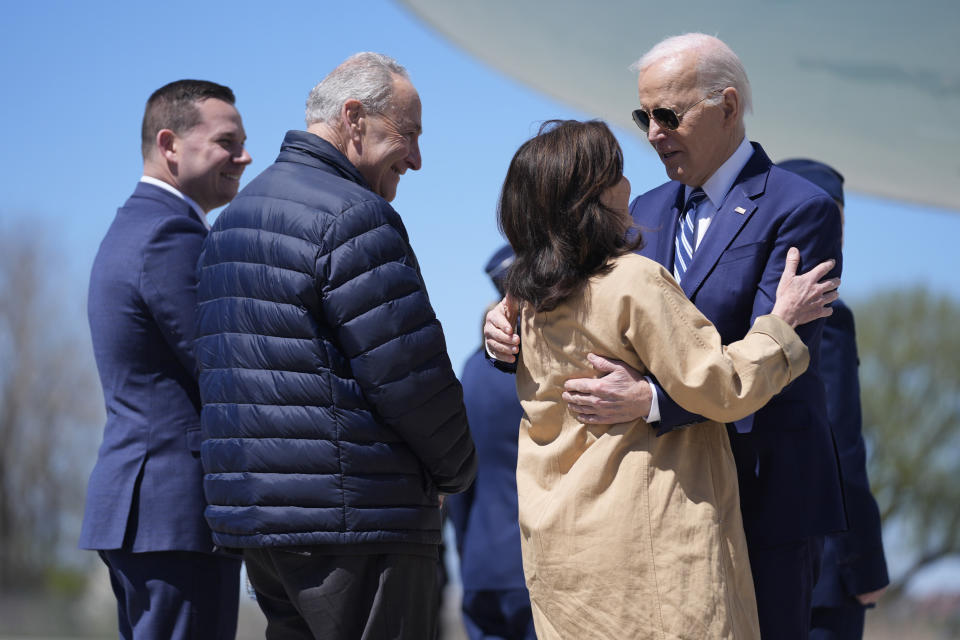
<point x="805" y="298"/>
<point x="499" y="338"/>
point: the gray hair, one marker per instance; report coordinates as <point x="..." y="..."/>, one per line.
<point x="718" y="67"/>
<point x="367" y="77"/>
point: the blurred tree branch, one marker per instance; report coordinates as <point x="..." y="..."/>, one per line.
<point x="50" y="409"/>
<point x="910" y="379"/>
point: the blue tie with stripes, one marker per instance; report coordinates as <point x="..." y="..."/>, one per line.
<point x="686" y="235"/>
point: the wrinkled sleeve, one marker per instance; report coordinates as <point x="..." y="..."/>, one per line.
<point x="814" y="228"/>
<point x="683" y="350"/>
<point x="376" y="304"/>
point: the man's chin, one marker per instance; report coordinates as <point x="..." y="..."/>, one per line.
<point x="227" y="198"/>
<point x="388" y="193"/>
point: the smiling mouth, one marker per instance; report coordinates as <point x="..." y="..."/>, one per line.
<point x="229" y="176"/>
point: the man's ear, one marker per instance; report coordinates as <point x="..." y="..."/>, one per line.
<point x="168" y="145"/>
<point x="731" y="104"/>
<point x="354" y="119"/>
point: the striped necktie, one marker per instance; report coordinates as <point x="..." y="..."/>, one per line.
<point x="686" y="235"/>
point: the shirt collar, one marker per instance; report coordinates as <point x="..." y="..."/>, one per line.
<point x="166" y="186"/>
<point x="718" y="185"/>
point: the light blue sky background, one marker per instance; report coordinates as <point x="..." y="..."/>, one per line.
<point x="76" y="76"/>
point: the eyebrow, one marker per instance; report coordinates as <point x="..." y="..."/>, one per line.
<point x="232" y="134"/>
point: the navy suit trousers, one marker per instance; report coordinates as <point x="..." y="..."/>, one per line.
<point x="498" y="615"/>
<point x="174" y="595"/>
<point x="839" y="623"/>
<point x="784" y="605"/>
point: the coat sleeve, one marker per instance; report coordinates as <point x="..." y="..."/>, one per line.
<point x="672" y="415"/>
<point x="862" y="566"/>
<point x="375" y="303"/>
<point x="168" y="283"/>
<point x="813" y="226"/>
<point x="683" y="350"/>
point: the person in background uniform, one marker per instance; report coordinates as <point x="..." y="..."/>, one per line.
<point x="144" y="508"/>
<point x="332" y="419"/>
<point x="496" y="604"/>
<point x="853" y="573"/>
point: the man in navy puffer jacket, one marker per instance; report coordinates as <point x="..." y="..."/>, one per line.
<point x="332" y="419"/>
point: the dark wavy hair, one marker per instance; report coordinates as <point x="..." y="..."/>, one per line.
<point x="551" y="211"/>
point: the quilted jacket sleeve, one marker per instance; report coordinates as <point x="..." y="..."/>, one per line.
<point x="375" y="302"/>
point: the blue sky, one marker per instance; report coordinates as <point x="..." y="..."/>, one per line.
<point x="76" y="76"/>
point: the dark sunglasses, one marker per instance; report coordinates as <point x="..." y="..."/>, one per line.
<point x="665" y="117"/>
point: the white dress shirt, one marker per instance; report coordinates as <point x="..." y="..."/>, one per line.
<point x="716" y="187"/>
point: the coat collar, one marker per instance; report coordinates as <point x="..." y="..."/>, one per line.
<point x="169" y="200"/>
<point x="310" y="149"/>
<point x="738" y="207"/>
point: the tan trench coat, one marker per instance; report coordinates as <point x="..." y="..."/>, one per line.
<point x="624" y="534"/>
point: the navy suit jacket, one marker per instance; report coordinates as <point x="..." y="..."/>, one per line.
<point x="485" y="516"/>
<point x="853" y="561"/>
<point x="786" y="460"/>
<point x="146" y="489"/>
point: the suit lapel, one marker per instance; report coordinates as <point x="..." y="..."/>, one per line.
<point x="738" y="207"/>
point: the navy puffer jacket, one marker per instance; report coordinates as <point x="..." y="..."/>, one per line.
<point x="331" y="413"/>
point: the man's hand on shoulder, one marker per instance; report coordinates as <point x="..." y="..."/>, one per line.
<point x="620" y="395"/>
<point x="499" y="336"/>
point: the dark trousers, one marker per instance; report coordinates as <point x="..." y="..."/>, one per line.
<point x="498" y="614"/>
<point x="350" y="597"/>
<point x="839" y="623"/>
<point x="174" y="595"/>
<point x="783" y="577"/>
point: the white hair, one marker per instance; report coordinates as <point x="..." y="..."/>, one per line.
<point x="718" y="67"/>
<point x="367" y="77"/>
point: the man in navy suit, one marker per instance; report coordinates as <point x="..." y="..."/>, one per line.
<point x="144" y="509"/>
<point x="853" y="574"/>
<point x="693" y="94"/>
<point x="496" y="604"/>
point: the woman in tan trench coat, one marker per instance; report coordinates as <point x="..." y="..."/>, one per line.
<point x="624" y="534"/>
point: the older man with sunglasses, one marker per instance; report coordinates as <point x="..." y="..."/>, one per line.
<point x="723" y="225"/>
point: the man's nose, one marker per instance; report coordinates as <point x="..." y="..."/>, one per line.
<point x="413" y="157"/>
<point x="244" y="157"/>
<point x="655" y="131"/>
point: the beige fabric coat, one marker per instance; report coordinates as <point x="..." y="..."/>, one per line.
<point x="624" y="534"/>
